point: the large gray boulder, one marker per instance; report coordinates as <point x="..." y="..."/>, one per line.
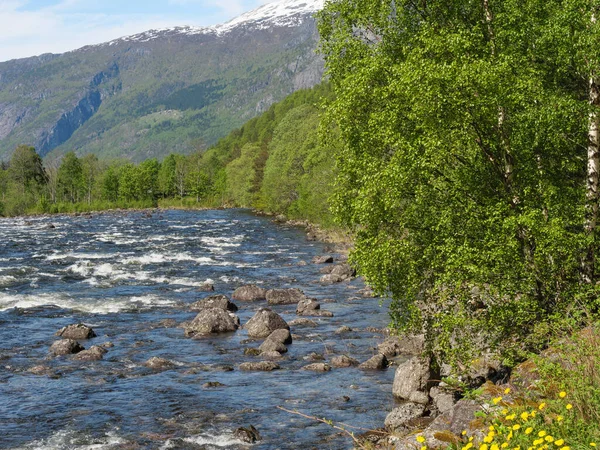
<point x="402" y="414"/>
<point x="402" y="345"/>
<point x="214" y="301"/>
<point x="413" y="379"/>
<point x="211" y="320"/>
<point x="376" y="362"/>
<point x="249" y="293"/>
<point x="281" y="335"/>
<point x="264" y="322"/>
<point x="66" y="347"/>
<point x="76" y="331"/>
<point x="284" y="296"/>
<point x="339" y="273"/>
<point x="94" y="353"/>
<point x="272" y="346"/>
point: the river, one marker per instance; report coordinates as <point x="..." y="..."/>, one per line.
<point x="125" y="275"/>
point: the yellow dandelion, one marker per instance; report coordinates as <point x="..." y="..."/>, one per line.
<point x="464" y="432"/>
<point x="504" y="445"/>
<point x="483" y="447"/>
<point x="562" y="394"/>
<point x="424" y="447"/>
<point x="528" y="430"/>
<point x="559" y="418"/>
<point x="524" y="415"/>
<point x="542" y="406"/>
<point x="592" y="444"/>
<point x="532" y="413"/>
<point x="507" y="390"/>
<point x="491" y="428"/>
<point x="504" y="411"/>
<point x="496" y="400"/>
<point x="494" y="447"/>
<point x="420" y="439"/>
<point x="488" y="439"/>
<point x="538" y="442"/>
<point x="566" y="448"/>
<point x="511" y="417"/>
<point x="549" y="439"/>
<point x="542" y="433"/>
<point x="516" y="426"/>
<point x="569" y="406"/>
<point x="559" y="442"/>
<point x="468" y="446"/>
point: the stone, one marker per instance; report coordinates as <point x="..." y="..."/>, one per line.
<point x="377" y="362"/>
<point x="271" y="355"/>
<point x="344" y="329"/>
<point x="318" y="367"/>
<point x="211" y="320"/>
<point x="345" y="271"/>
<point x="281" y="335"/>
<point x="302" y="322"/>
<point x="94" y="353"/>
<point x="247" y="434"/>
<point x="206" y="287"/>
<point x="413" y="380"/>
<point x="317" y="313"/>
<point x="214" y="301"/>
<point x="264" y="366"/>
<point x="264" y="322"/>
<point x="324" y="259"/>
<point x="314" y="357"/>
<point x="76" y="331"/>
<point x="307" y="304"/>
<point x="331" y="278"/>
<point x="284" y="296"/>
<point x="252" y="351"/>
<point x="402" y="414"/>
<point x="249" y="293"/>
<point x="66" y="347"/>
<point x="213" y="384"/>
<point x="343" y="361"/>
<point x="402" y="345"/>
<point x="272" y="346"/>
<point x="442" y="399"/>
<point x="326" y="269"/>
<point x="159" y="363"/>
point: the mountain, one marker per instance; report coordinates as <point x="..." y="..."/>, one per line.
<point x="169" y="90"/>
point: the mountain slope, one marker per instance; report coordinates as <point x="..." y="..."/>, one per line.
<point x="162" y="91"/>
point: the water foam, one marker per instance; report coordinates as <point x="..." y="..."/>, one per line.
<point x="67" y="439"/>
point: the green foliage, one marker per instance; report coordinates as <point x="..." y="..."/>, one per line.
<point x="241" y="175"/>
<point x="71" y="183"/>
<point x="463" y="162"/>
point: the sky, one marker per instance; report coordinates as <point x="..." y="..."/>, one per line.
<point x="33" y="27"/>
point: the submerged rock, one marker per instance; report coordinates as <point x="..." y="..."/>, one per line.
<point x="213" y="384"/>
<point x="302" y="322"/>
<point x="206" y="287"/>
<point x="264" y="322"/>
<point x="325" y="259"/>
<point x="214" y="301"/>
<point x="284" y="296"/>
<point x="318" y="367"/>
<point x="247" y="434"/>
<point x="159" y="363"/>
<point x="249" y="293"/>
<point x="66" y="347"/>
<point x="306" y="306"/>
<point x="76" y="331"/>
<point x="211" y="320"/>
<point x="343" y="361"/>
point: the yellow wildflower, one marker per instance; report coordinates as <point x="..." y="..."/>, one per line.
<point x="464" y="432"/>
<point x="569" y="406"/>
<point x="516" y="427"/>
<point x="559" y="418"/>
<point x="542" y="433"/>
<point x="483" y="447"/>
<point x="542" y="406"/>
<point x="494" y="447"/>
<point x="549" y="438"/>
<point x="496" y="400"/>
<point x="559" y="442"/>
<point x="424" y="447"/>
<point x="566" y="448"/>
<point x="524" y="415"/>
<point x="511" y="417"/>
<point x="592" y="444"/>
<point x="528" y="430"/>
<point x="420" y="439"/>
<point x="504" y="445"/>
<point x="507" y="390"/>
<point x="538" y="442"/>
<point x="562" y="394"/>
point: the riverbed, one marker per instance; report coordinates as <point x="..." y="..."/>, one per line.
<point x="131" y="276"/>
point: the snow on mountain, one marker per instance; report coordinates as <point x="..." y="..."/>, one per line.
<point x="280" y="13"/>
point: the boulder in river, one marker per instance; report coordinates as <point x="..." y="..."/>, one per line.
<point x="264" y="366"/>
<point x="211" y="320"/>
<point x="206" y="287"/>
<point x="318" y="367"/>
<point x="94" y="353"/>
<point x="303" y="322"/>
<point x="307" y="304"/>
<point x="284" y="296"/>
<point x="157" y="363"/>
<point x="271" y="356"/>
<point x="214" y="301"/>
<point x="281" y="335"/>
<point x="76" y="331"/>
<point x="377" y="362"/>
<point x="272" y="346"/>
<point x="264" y="322"/>
<point x="247" y="434"/>
<point x="339" y="273"/>
<point x="343" y="361"/>
<point x="249" y="293"/>
<point x="66" y="347"/>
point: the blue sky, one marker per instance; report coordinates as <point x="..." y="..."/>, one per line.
<point x="33" y="27"/>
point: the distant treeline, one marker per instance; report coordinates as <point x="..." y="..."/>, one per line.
<point x="274" y="163"/>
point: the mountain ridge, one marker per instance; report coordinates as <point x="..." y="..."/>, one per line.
<point x="171" y="90"/>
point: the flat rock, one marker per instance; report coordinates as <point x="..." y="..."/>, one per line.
<point x="377" y="362"/>
<point x="318" y="367"/>
<point x="281" y="335"/>
<point x="284" y="296"/>
<point x="343" y="361"/>
<point x="264" y="322"/>
<point x="76" y="331"/>
<point x="66" y="347"/>
<point x="214" y="301"/>
<point x="249" y="293"/>
<point x="211" y="320"/>
<point x="264" y="366"/>
<point x="94" y="353"/>
<point x="402" y="414"/>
